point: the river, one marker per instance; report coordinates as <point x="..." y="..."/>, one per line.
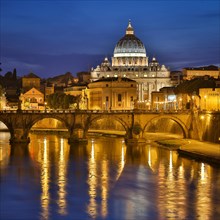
<point x="104" y="179"/>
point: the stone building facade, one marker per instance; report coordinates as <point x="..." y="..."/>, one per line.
<point x="130" y="60"/>
<point x="112" y="93"/>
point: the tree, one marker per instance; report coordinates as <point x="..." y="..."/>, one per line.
<point x="14" y="74"/>
<point x="60" y="101"/>
<point x="8" y="75"/>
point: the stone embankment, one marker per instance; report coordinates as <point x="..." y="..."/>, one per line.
<point x="202" y="151"/>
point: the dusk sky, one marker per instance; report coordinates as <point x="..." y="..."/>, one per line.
<point x="53" y="37"/>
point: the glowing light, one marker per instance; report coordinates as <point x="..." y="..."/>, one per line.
<point x="171" y="160"/>
<point x="45" y="176"/>
<point x="62" y="181"/>
<point x="202" y="117"/>
<point x="149" y="157"/>
<point x="202" y="171"/>
<point x="92" y="182"/>
<point x="104" y="188"/>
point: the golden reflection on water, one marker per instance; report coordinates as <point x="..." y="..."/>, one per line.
<point x="203" y="194"/>
<point x="45" y="179"/>
<point x="92" y="182"/>
<point x="4" y="148"/>
<point x="99" y="174"/>
<point x="171" y="189"/>
<point x="42" y="152"/>
<point x="62" y="178"/>
<point x="181" y="185"/>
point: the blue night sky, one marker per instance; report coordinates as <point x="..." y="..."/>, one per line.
<point x="53" y="37"/>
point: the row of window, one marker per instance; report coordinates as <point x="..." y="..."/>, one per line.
<point x="107" y="85"/>
<point x="33" y="100"/>
<point x="119" y="98"/>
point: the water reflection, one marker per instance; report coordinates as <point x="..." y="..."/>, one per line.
<point x="45" y="179"/>
<point x="203" y="193"/>
<point x="92" y="182"/>
<point x="51" y="152"/>
<point x="172" y="197"/>
<point x="108" y="180"/>
<point x="62" y="178"/>
<point x="101" y="175"/>
<point x="4" y="148"/>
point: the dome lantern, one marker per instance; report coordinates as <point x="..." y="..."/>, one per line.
<point x="129" y="29"/>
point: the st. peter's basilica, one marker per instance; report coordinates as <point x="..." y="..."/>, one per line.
<point x="130" y="60"/>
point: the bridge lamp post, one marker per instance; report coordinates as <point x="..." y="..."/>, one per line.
<point x="45" y="106"/>
<point x="174" y="105"/>
<point x="180" y="103"/>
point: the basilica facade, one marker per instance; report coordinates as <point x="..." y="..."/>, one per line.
<point x="130" y="60"/>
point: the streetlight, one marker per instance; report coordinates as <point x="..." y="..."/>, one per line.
<point x="45" y="106"/>
<point x="180" y="103"/>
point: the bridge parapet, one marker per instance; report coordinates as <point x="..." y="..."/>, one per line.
<point x="78" y="122"/>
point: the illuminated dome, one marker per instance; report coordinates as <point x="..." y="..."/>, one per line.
<point x="129" y="45"/>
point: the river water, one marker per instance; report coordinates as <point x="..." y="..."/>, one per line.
<point x="103" y="180"/>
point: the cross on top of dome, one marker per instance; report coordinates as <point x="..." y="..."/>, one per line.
<point x="129" y="29"/>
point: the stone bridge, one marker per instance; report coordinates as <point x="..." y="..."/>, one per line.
<point x="78" y="122"/>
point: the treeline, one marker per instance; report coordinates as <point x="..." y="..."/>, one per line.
<point x="62" y="101"/>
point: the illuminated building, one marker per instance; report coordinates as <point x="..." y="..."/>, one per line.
<point x="75" y="89"/>
<point x="29" y="81"/>
<point x="2" y="99"/>
<point x="210" y="99"/>
<point x="191" y="72"/>
<point x="48" y="89"/>
<point x="130" y="60"/>
<point x="32" y="99"/>
<point x="165" y="99"/>
<point x="112" y="94"/>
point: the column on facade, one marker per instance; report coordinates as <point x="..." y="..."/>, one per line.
<point x="126" y="100"/>
<point x="142" y="91"/>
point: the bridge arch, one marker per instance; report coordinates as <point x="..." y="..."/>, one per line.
<point x="173" y="118"/>
<point x="8" y="125"/>
<point x="39" y="118"/>
<point x="112" y="118"/>
<point x="3" y="125"/>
